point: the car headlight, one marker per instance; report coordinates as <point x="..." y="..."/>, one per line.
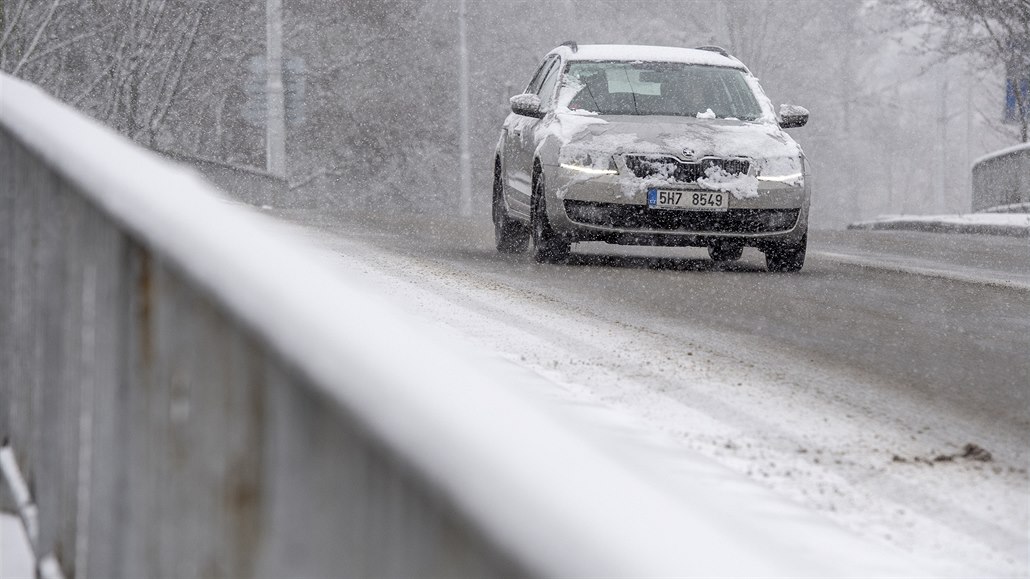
<point x="586" y="165"/>
<point x="786" y="170"/>
<point x="792" y="178"/>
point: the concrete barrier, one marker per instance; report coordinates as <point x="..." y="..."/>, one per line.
<point x="1002" y="179"/>
<point x="188" y="392"/>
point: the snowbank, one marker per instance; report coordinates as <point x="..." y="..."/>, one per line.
<point x="1012" y="224"/>
<point x="16" y="558"/>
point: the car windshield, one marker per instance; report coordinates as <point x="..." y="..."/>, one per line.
<point x="661" y="88"/>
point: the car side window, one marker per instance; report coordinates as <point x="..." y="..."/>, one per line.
<point x="549" y="82"/>
<point x="538" y="78"/>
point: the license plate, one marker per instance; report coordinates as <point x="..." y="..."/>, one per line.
<point x="689" y="200"/>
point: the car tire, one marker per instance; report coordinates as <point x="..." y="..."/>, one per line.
<point x="723" y="252"/>
<point x="510" y="235"/>
<point x="548" y="246"/>
<point x="787" y="258"/>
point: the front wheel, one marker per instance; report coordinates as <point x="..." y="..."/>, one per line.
<point x="510" y="236"/>
<point x="787" y="258"/>
<point x="549" y="247"/>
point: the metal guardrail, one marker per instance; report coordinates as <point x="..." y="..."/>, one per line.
<point x="1002" y="179"/>
<point x="188" y="392"/>
<point x="245" y="184"/>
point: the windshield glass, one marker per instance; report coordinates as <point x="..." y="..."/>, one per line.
<point x="661" y="88"/>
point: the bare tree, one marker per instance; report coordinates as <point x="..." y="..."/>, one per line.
<point x="143" y="63"/>
<point x="29" y="32"/>
<point x="149" y="68"/>
<point x="995" y="31"/>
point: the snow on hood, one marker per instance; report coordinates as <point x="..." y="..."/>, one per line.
<point x="592" y="140"/>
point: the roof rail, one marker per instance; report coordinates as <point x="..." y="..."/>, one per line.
<point x="718" y="49"/>
<point x="571" y="44"/>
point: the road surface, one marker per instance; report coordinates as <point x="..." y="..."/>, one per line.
<point x="887" y="385"/>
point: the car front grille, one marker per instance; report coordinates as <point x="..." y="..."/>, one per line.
<point x="644" y="166"/>
<point x="642" y="218"/>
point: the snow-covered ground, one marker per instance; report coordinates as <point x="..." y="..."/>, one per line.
<point x="900" y="478"/>
<point x="16" y="560"/>
<point x="1017" y="224"/>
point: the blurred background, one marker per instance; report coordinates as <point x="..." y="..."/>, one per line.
<point x="899" y="108"/>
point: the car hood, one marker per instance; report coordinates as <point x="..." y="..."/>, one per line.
<point x="593" y="141"/>
<point x="595" y="135"/>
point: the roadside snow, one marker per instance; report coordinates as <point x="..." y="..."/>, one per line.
<point x="1003" y="219"/>
<point x="1009" y="208"/>
<point x="16" y="560"/>
<point x="1014" y="224"/>
<point x="699" y="391"/>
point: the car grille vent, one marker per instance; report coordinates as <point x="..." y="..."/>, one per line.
<point x="644" y="166"/>
<point x="643" y="218"/>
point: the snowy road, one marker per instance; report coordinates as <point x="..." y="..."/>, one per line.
<point x="886" y="386"/>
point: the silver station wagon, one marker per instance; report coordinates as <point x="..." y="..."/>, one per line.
<point x="646" y="145"/>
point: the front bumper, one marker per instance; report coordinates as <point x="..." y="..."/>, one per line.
<point x="613" y="208"/>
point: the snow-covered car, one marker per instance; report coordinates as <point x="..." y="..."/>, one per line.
<point x="647" y="145"/>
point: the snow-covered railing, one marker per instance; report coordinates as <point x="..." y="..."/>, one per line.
<point x="186" y="391"/>
<point x="1002" y="178"/>
<point x="246" y="184"/>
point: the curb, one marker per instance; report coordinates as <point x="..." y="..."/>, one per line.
<point x="942" y="227"/>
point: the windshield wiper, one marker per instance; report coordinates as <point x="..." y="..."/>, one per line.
<point x="597" y="107"/>
<point x="632" y="90"/>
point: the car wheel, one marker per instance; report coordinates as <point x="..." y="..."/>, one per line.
<point x="787" y="258"/>
<point x="549" y="247"/>
<point x="722" y="252"/>
<point x="509" y="235"/>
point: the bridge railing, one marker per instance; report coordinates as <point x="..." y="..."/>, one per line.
<point x="1002" y="180"/>
<point x="188" y="392"/>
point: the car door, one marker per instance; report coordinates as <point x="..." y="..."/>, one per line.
<point x="522" y="143"/>
<point x="512" y="141"/>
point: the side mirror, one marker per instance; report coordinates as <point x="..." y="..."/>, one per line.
<point x="527" y="105"/>
<point x="792" y="116"/>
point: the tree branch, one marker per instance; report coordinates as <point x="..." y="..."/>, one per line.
<point x="35" y="39"/>
<point x="175" y="87"/>
<point x="14" y="24"/>
<point x="69" y="42"/>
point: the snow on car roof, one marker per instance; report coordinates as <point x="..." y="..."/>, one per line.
<point x="633" y="52"/>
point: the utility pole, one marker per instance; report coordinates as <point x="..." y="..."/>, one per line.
<point x="942" y="128"/>
<point x="275" y="126"/>
<point x="465" y="163"/>
<point x="892" y="148"/>
<point x="970" y="75"/>
<point x="851" y="208"/>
